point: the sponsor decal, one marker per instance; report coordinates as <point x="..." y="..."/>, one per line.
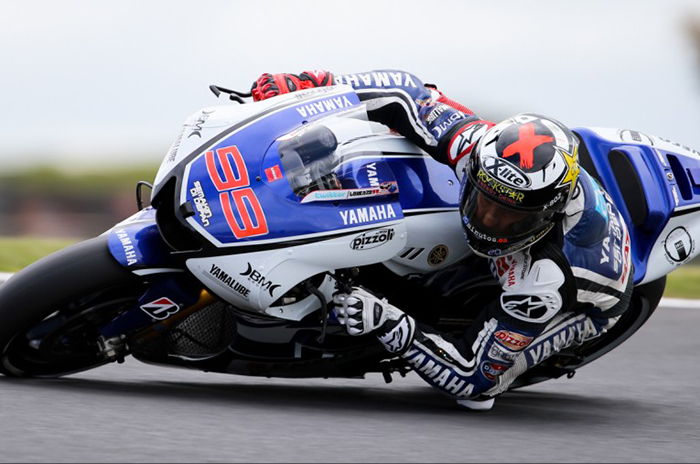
<point x="627" y="135"/>
<point x="675" y="195"/>
<point x="372" y="239"/>
<point x="506" y="172"/>
<point x="397" y="338"/>
<point x="377" y="79"/>
<point x="258" y="279"/>
<point x="325" y="195"/>
<point x="385" y="188"/>
<point x="172" y="154"/>
<point x="367" y="214"/>
<point x="504" y="192"/>
<point x="363" y="193"/>
<point x="499" y="266"/>
<point x="372" y="174"/>
<point x="324" y="106"/>
<point x="552" y="202"/>
<point x="678" y="246"/>
<point x="661" y="157"/>
<point x="301" y="95"/>
<point x="440" y="375"/>
<point x="676" y="144"/>
<point x="463" y="143"/>
<point x="512" y="340"/>
<point x="161" y="308"/>
<point x="390" y="187"/>
<point x="444" y="126"/>
<point x="438" y="255"/>
<point x="625" y="257"/>
<point x="198" y="124"/>
<point x="572" y="168"/>
<point x="576" y="332"/>
<point x="613" y="253"/>
<point x="501" y="354"/>
<point x="229" y="281"/>
<point x="527" y="306"/>
<point x="433" y="115"/>
<point x="200" y="203"/>
<point x="128" y="246"/>
<point x="274" y="173"/>
<point x="492" y="370"/>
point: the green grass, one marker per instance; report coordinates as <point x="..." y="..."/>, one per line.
<point x="16" y="253"/>
<point x="54" y="181"/>
<point x="684" y="282"/>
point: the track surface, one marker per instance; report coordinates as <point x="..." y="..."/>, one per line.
<point x="640" y="403"/>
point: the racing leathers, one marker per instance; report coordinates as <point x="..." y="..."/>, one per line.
<point x="567" y="288"/>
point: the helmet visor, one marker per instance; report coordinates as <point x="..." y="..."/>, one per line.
<point x="498" y="224"/>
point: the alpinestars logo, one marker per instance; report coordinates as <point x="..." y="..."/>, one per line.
<point x="465" y="140"/>
<point x="161" y="308"/>
<point x="530" y="307"/>
<point x="398" y="338"/>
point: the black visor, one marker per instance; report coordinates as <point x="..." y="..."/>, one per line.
<point x="495" y="229"/>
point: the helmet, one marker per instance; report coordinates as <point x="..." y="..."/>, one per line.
<point x="521" y="174"/>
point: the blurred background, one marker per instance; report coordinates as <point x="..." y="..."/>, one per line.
<point x="92" y="94"/>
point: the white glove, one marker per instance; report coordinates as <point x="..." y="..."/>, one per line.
<point x="363" y="313"/>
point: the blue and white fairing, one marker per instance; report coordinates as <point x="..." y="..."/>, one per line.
<point x="137" y="244"/>
<point x="300" y="185"/>
<point x="655" y="183"/>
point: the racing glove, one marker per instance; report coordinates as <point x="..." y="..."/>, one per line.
<point x="442" y="98"/>
<point x="270" y="85"/>
<point x="363" y="313"/>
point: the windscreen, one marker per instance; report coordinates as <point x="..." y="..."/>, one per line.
<point x="308" y="159"/>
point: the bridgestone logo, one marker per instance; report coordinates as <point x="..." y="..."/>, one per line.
<point x="372" y="239"/>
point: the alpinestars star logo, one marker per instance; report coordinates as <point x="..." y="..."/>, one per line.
<point x="530" y="307"/>
<point x="397" y="338"/>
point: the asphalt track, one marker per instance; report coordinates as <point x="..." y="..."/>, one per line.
<point x="640" y="403"/>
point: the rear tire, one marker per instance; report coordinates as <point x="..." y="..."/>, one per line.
<point x="50" y="311"/>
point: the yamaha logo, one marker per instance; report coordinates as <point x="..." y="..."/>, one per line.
<point x="679" y="246"/>
<point x="506" y="172"/>
<point x="372" y="239"/>
<point x="438" y="255"/>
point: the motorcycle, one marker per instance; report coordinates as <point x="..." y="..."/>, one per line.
<point x="260" y="211"/>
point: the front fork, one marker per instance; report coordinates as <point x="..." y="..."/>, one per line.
<point x="171" y="293"/>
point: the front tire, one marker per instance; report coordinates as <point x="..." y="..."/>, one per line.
<point x="50" y="311"/>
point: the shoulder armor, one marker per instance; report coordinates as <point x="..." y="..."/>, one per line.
<point x="536" y="298"/>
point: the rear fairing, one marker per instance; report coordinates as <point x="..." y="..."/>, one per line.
<point x="655" y="183"/>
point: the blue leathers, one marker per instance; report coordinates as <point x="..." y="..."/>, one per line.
<point x="568" y="288"/>
<point x="442" y="127"/>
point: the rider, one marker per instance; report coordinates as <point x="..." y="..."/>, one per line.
<point x="554" y="239"/>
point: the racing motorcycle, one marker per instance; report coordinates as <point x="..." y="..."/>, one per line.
<point x="261" y="211"/>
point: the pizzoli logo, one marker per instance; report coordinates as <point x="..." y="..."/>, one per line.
<point x="372" y="239"/>
<point x="512" y="340"/>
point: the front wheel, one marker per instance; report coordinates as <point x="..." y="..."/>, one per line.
<point x="50" y="311"/>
